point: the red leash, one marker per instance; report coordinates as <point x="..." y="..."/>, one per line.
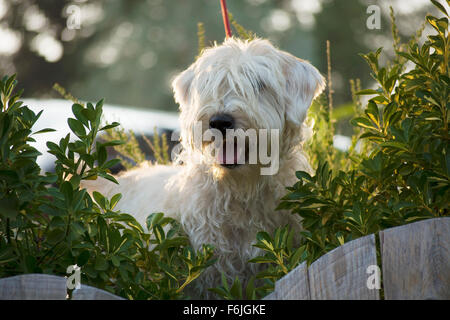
<point x="226" y="22"/>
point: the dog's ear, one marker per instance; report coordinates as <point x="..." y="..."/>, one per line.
<point x="181" y="86"/>
<point x="303" y="83"/>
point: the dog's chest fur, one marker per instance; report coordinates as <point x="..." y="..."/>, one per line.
<point x="225" y="213"/>
<point x="228" y="214"/>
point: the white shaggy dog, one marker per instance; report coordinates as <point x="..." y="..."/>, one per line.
<point x="235" y="85"/>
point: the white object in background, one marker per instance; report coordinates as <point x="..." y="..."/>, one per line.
<point x="341" y="142"/>
<point x="57" y="111"/>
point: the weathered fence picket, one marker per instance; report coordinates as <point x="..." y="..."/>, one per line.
<point x="91" y="293"/>
<point x="33" y="287"/>
<point x="284" y="290"/>
<point x="415" y="260"/>
<point x="342" y="273"/>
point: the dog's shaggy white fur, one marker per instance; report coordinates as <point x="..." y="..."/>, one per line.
<point x="261" y="87"/>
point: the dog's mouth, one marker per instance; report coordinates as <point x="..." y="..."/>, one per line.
<point x="232" y="156"/>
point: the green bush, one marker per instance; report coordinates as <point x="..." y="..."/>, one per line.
<point x="396" y="171"/>
<point x="405" y="177"/>
<point x="401" y="174"/>
<point x="48" y="222"/>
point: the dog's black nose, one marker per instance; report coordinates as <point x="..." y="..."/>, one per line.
<point x="221" y="122"/>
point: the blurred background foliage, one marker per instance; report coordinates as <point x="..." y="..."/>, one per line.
<point x="128" y="51"/>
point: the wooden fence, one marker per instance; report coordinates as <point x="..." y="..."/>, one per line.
<point x="47" y="287"/>
<point x="415" y="264"/>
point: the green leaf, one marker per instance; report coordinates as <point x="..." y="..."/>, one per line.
<point x="56" y="235"/>
<point x="363" y="122"/>
<point x="115" y="199"/>
<point x="83" y="258"/>
<point x="77" y="127"/>
<point x="100" y="199"/>
<point x="112" y="143"/>
<point x="111" y="163"/>
<point x="236" y="289"/>
<point x="89" y="159"/>
<point x="50" y="210"/>
<point x="303" y="175"/>
<point x="373" y="113"/>
<point x="159" y="233"/>
<point x="250" y="290"/>
<point x="101" y="155"/>
<point x="110" y="126"/>
<point x="101" y="264"/>
<point x="167" y="270"/>
<point x="44" y="131"/>
<point x="154" y="219"/>
<point x="367" y="92"/>
<point x="395" y="145"/>
<point x="77" y="110"/>
<point x="440" y="7"/>
<point x="75" y="181"/>
<point x="380" y="99"/>
<point x="115" y="261"/>
<point x="89" y="114"/>
<point x="30" y="263"/>
<point x="262" y="259"/>
<point x="108" y="177"/>
<point x="9" y="207"/>
<point x="67" y="190"/>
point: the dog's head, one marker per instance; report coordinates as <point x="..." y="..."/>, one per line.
<point x="243" y="87"/>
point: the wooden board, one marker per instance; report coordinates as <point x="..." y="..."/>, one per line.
<point x="341" y="274"/>
<point x="293" y="286"/>
<point x="416" y="260"/>
<point x="91" y="293"/>
<point x="33" y="287"/>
